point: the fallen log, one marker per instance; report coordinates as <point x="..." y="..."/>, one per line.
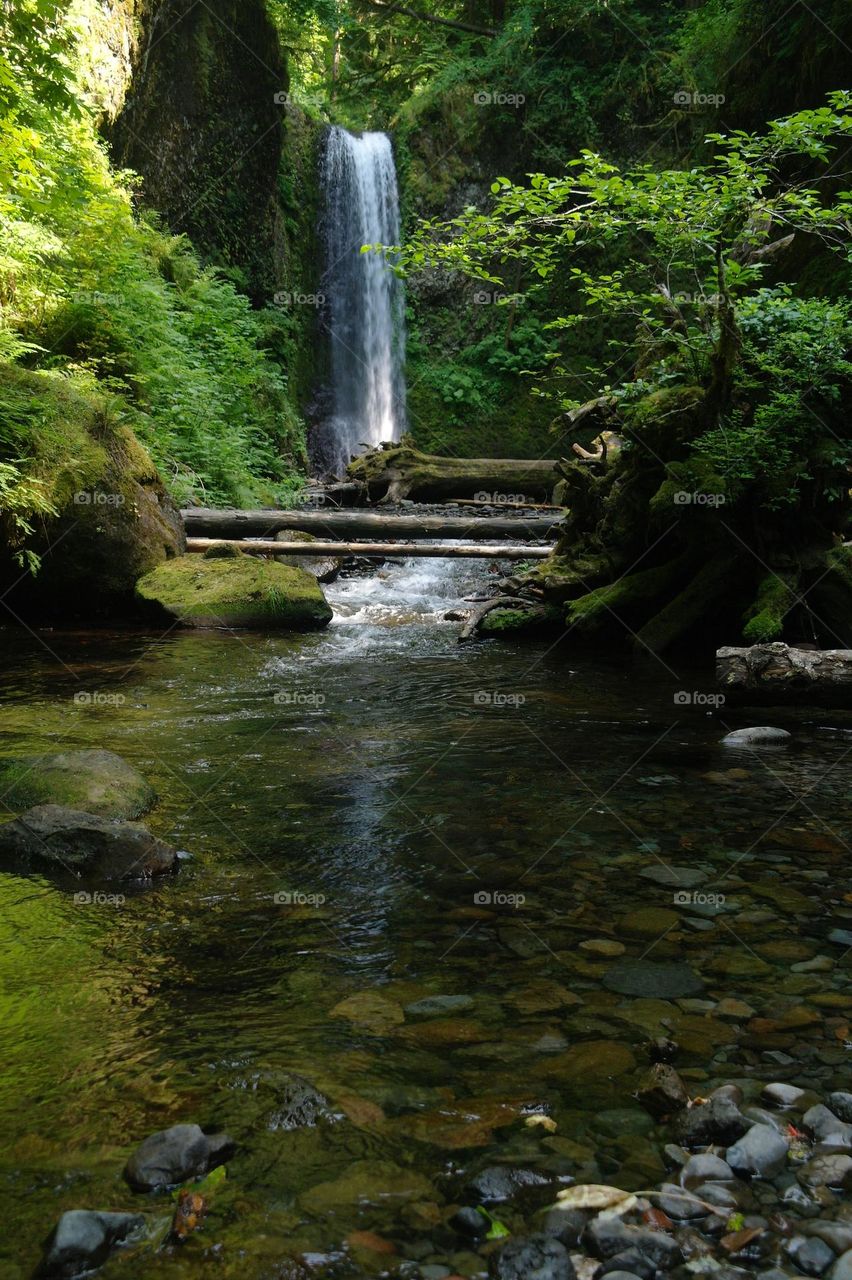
<point x="375" y="550"/>
<point x="766" y="674"/>
<point x="400" y="471"/>
<point x="203" y="522"/>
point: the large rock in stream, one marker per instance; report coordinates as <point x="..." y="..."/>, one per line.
<point x="230" y="589"/>
<point x="52" y="838"/>
<point x="174" y="1155"/>
<point x="99" y="782"/>
<point x="83" y="1239"/>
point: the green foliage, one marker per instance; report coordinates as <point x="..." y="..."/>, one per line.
<point x="693" y="247"/>
<point x="788" y="415"/>
<point x="92" y="291"/>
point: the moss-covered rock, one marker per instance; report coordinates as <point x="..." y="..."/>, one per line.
<point x="776" y="596"/>
<point x="240" y="591"/>
<point x="525" y="618"/>
<point x="114" y="522"/>
<point x="99" y="782"/>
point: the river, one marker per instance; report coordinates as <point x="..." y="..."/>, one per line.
<point x="377" y="815"/>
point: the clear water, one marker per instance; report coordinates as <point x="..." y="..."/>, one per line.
<point x="404" y="795"/>
<point x="363" y="298"/>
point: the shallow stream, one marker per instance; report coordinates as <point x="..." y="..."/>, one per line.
<point x="378" y="815"/>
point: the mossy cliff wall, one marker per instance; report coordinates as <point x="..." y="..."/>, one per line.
<point x="202" y="122"/>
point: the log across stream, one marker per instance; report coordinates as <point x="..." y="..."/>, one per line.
<point x="203" y="522"/>
<point x="377" y="550"/>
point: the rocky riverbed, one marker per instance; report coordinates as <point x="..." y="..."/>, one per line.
<point x="756" y="1186"/>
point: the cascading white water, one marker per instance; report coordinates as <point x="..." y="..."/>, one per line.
<point x="364" y="299"/>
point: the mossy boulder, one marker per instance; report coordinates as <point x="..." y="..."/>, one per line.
<point x="236" y="591"/>
<point x="114" y="520"/>
<point x="99" y="782"/>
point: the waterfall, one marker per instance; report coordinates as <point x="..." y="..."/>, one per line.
<point x="363" y="298"/>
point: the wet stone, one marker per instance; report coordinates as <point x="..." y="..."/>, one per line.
<point x="662" y="1092"/>
<point x="813" y="1256"/>
<point x="566" y="1225"/>
<point x="842" y="1268"/>
<point x="678" y="1204"/>
<point x="536" y="1257"/>
<point x="705" y="1167"/>
<point x="174" y="1155"/>
<point x="761" y="1151"/>
<point x="630" y="1261"/>
<point x="826" y="1127"/>
<point x="470" y="1222"/>
<point x="653" y="979"/>
<point x="84" y="1239"/>
<point x="782" y="1096"/>
<point x="756" y="736"/>
<point x="717" y="1120"/>
<point x="435" y="1006"/>
<point x="841" y="1104"/>
<point x="609" y="1236"/>
<point x="501" y="1182"/>
<point x="827" y="1171"/>
<point x="674" y="877"/>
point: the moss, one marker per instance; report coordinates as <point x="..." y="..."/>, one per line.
<point x="115" y="520"/>
<point x="827" y="592"/>
<point x="764" y="620"/>
<point x="619" y="602"/>
<point x="687" y="609"/>
<point x="98" y="782"/>
<point x="223" y="551"/>
<point x="666" y="420"/>
<point x="508" y="620"/>
<point x="240" y="592"/>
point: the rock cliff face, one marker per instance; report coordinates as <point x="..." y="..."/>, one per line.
<point x="202" y="122"/>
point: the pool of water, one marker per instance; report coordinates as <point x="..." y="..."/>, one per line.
<point x="377" y="815"/>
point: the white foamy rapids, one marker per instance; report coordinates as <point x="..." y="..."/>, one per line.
<point x="381" y="608"/>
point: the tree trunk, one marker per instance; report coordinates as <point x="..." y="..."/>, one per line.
<point x="402" y="471"/>
<point x="767" y="674"/>
<point x="231" y="523"/>
<point x="375" y="550"/>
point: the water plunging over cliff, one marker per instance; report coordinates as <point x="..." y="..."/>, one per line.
<point x="364" y="299"/>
